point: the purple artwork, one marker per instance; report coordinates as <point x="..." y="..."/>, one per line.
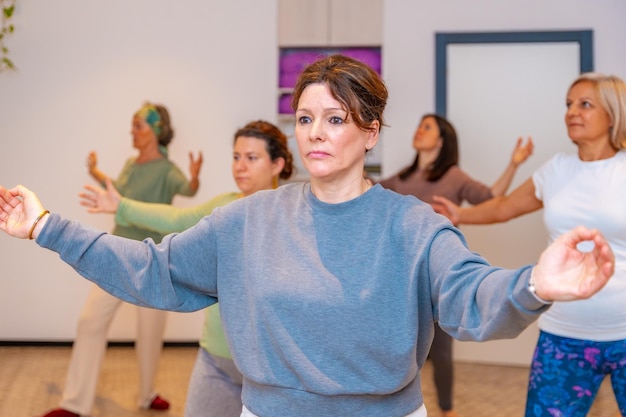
<point x="293" y="60"/>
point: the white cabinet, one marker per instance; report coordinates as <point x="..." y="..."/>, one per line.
<point x="356" y="22"/>
<point x="303" y="22"/>
<point x="330" y="22"/>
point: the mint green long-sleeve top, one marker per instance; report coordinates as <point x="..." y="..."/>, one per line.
<point x="164" y="219"/>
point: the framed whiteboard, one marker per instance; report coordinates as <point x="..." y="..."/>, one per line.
<point x="495" y="87"/>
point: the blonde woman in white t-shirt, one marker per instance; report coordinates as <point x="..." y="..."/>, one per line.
<point x="583" y="342"/>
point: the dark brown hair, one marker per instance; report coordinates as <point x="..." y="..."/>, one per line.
<point x="448" y="154"/>
<point x="275" y="142"/>
<point x="356" y="86"/>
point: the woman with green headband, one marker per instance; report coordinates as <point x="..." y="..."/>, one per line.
<point x="149" y="177"/>
<point x="261" y="158"/>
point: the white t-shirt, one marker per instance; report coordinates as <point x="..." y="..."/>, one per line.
<point x="591" y="194"/>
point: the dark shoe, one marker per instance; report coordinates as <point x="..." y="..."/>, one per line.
<point x="59" y="412"/>
<point x="158" y="404"/>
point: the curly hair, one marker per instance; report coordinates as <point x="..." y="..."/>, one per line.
<point x="167" y="131"/>
<point x="275" y="142"/>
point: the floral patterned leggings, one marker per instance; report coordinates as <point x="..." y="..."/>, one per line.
<point x="566" y="374"/>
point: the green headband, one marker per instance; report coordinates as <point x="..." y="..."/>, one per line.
<point x="150" y="114"/>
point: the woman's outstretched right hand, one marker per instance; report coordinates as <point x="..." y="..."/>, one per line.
<point x="19" y="210"/>
<point x="447" y="208"/>
<point x="522" y="151"/>
<point x="99" y="200"/>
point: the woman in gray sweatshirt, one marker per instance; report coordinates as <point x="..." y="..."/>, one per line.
<point x="328" y="290"/>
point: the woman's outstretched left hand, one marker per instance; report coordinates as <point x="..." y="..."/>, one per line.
<point x="565" y="273"/>
<point x="98" y="200"/>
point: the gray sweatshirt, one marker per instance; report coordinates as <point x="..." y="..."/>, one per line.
<point x="325" y="306"/>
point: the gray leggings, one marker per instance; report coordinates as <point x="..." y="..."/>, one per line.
<point x="214" y="387"/>
<point x="441" y="357"/>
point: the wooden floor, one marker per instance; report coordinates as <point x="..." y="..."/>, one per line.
<point x="31" y="380"/>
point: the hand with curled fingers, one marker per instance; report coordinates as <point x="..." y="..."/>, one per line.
<point x="21" y="213"/>
<point x="566" y="273"/>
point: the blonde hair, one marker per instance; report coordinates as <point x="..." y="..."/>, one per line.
<point x="611" y="92"/>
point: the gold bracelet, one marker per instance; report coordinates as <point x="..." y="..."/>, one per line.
<point x="32" y="228"/>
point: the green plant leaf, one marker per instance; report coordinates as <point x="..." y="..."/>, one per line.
<point x="8" y="63"/>
<point x="8" y="11"/>
<point x="6" y="28"/>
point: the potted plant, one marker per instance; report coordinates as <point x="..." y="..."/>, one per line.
<point x="8" y="7"/>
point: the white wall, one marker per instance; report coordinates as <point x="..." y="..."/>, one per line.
<point x="409" y="48"/>
<point x="84" y="68"/>
<point x="409" y="70"/>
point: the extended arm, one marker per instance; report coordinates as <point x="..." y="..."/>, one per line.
<point x="520" y="154"/>
<point x="162" y="218"/>
<point x="143" y="273"/>
<point x="521" y="201"/>
<point x="478" y="302"/>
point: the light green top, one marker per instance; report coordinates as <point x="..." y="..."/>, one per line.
<point x="166" y="219"/>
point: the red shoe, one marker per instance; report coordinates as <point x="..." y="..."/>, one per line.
<point x="59" y="412"/>
<point x="157" y="404"/>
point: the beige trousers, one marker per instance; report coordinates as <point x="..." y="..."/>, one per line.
<point x="90" y="345"/>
